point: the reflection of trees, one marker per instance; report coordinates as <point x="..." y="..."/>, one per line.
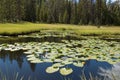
<point x="17" y="56"/>
<point x="32" y="66"/>
<point x="3" y="56"/>
<point x="92" y="69"/>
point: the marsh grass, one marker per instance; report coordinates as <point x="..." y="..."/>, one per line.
<point x="15" y="76"/>
<point x="26" y="28"/>
<point x="109" y="75"/>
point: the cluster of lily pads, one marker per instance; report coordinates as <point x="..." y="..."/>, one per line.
<point x="48" y="33"/>
<point x="67" y="52"/>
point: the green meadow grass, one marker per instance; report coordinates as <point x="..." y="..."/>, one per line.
<point x="23" y="28"/>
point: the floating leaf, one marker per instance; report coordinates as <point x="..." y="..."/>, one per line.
<point x="52" y="69"/>
<point x="31" y="58"/>
<point x="66" y="71"/>
<point x="36" y="61"/>
<point x="79" y="64"/>
<point x="57" y="65"/>
<point x="66" y="62"/>
<point x="32" y="55"/>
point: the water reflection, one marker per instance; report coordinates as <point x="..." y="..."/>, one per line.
<point x="111" y="74"/>
<point x="12" y="63"/>
<point x="12" y="56"/>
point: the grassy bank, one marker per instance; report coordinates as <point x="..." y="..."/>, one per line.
<point x="15" y="29"/>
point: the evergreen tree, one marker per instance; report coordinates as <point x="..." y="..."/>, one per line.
<point x="93" y="12"/>
<point x="74" y="19"/>
<point x="30" y="11"/>
<point x="65" y="17"/>
<point x="98" y="12"/>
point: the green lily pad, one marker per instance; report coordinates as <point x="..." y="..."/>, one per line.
<point x="52" y="69"/>
<point x="79" y="64"/>
<point x="66" y="71"/>
<point x="31" y="58"/>
<point x="32" y="55"/>
<point x="66" y="62"/>
<point x="36" y="61"/>
<point x="57" y="65"/>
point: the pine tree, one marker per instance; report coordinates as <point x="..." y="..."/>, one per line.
<point x="95" y="12"/>
<point x="98" y="13"/>
<point x="65" y="17"/>
<point x="30" y="12"/>
<point x="74" y="15"/>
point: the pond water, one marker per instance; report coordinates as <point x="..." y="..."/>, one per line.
<point x="13" y="63"/>
<point x="16" y="62"/>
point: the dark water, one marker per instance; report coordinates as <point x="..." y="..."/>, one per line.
<point x="35" y="39"/>
<point x="14" y="64"/>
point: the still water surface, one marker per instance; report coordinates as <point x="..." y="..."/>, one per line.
<point x="14" y="64"/>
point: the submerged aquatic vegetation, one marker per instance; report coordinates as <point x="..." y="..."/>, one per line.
<point x="67" y="52"/>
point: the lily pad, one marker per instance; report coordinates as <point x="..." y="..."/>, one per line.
<point x="66" y="71"/>
<point x="31" y="58"/>
<point x="52" y="69"/>
<point x="30" y="55"/>
<point x="36" y="61"/>
<point x="57" y="65"/>
<point x="79" y="64"/>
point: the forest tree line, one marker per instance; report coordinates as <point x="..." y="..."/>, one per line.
<point x="84" y="12"/>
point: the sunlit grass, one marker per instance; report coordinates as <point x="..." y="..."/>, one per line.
<point x="9" y="28"/>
